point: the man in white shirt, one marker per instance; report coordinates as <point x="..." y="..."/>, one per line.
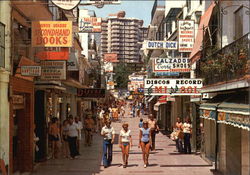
<point x="79" y="137"/>
<point x="73" y="133"/>
<point x="108" y="133"/>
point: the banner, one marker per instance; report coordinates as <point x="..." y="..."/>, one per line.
<point x="111" y="57"/>
<point x="186" y="35"/>
<point x="52" y="34"/>
<point x="166" y="45"/>
<point x="173" y="87"/>
<point x="90" y="25"/>
<point x="66" y="4"/>
<point x="53" y="70"/>
<point x="91" y="93"/>
<point x="171" y="65"/>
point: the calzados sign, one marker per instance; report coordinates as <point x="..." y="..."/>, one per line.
<point x="91" y="93"/>
<point x="166" y="45"/>
<point x="52" y="34"/>
<point x="171" y="65"/>
<point x="172" y="86"/>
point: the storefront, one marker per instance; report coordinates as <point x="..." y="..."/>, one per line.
<point x="226" y="132"/>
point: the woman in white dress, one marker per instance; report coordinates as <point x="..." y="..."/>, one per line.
<point x="125" y="142"/>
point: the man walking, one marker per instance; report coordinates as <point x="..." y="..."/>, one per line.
<point x="108" y="133"/>
<point x="73" y="133"/>
<point x="152" y="123"/>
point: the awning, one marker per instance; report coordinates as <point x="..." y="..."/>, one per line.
<point x="156" y="106"/>
<point x="204" y="21"/>
<point x="163" y="99"/>
<point x="151" y="98"/>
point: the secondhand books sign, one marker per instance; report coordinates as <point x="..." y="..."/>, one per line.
<point x="171" y="65"/>
<point x="186" y="35"/>
<point x="173" y="87"/>
<point x="52" y="33"/>
<point x="165" y="45"/>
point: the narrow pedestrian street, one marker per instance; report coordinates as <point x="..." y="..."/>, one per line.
<point x="163" y="161"/>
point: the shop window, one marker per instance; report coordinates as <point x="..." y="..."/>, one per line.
<point x="2" y="45"/>
<point x="238" y="18"/>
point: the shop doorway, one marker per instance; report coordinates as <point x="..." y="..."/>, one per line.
<point x="17" y="150"/>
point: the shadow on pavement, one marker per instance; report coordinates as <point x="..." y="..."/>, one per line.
<point x="185" y="166"/>
<point x="133" y="165"/>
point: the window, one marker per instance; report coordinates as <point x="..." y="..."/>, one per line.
<point x="238" y="19"/>
<point x="188" y="3"/>
<point x="2" y="45"/>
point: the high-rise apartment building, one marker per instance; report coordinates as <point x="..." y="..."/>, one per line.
<point x="122" y="36"/>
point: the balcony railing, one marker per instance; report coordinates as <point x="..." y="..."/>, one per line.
<point x="230" y="63"/>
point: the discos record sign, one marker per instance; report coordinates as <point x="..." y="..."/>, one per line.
<point x="66" y="4"/>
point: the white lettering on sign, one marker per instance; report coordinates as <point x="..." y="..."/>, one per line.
<point x="185" y="35"/>
<point x="168" y="45"/>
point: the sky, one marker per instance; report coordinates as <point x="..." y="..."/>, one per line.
<point x="140" y="9"/>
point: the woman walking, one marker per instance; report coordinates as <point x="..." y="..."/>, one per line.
<point x="145" y="142"/>
<point x="187" y="130"/>
<point x="178" y="130"/>
<point x="65" y="145"/>
<point x="125" y="141"/>
<point x="54" y="134"/>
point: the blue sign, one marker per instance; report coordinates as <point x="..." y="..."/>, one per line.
<point x="167" y="73"/>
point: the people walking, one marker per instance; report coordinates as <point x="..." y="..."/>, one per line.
<point x="125" y="142"/>
<point x="141" y="123"/>
<point x="89" y="127"/>
<point x="108" y="134"/>
<point x="145" y="142"/>
<point x="187" y="130"/>
<point x="64" y="136"/>
<point x="54" y="135"/>
<point x="80" y="127"/>
<point x="179" y="133"/>
<point x="73" y="133"/>
<point x="152" y="123"/>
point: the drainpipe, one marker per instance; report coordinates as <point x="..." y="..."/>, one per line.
<point x="216" y="138"/>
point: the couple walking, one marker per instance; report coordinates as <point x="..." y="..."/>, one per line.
<point x="125" y="142"/>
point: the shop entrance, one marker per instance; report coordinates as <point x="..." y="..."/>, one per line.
<point x="17" y="117"/>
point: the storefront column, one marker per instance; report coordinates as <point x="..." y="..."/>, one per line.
<point x="64" y="107"/>
<point x="222" y="148"/>
<point x="245" y="152"/>
<point x="54" y="104"/>
<point x="73" y="105"/>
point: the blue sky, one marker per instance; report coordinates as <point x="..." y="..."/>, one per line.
<point x="137" y="9"/>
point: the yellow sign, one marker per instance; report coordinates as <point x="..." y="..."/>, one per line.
<point x="52" y="34"/>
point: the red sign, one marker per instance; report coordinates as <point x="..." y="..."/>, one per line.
<point x="51" y="55"/>
<point x="111" y="57"/>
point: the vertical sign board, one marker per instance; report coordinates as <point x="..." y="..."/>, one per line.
<point x="175" y="87"/>
<point x="90" y="25"/>
<point x="51" y="34"/>
<point x="2" y="45"/>
<point x="53" y="70"/>
<point x="186" y="35"/>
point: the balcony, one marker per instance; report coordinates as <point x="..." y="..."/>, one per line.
<point x="157" y="10"/>
<point x="228" y="68"/>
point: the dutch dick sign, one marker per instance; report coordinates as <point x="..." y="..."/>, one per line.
<point x="165" y="45"/>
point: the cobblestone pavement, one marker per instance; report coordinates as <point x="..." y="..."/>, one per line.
<point x="163" y="161"/>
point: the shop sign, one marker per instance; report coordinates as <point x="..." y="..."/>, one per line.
<point x="53" y="55"/>
<point x="171" y="65"/>
<point x="185" y="35"/>
<point x="222" y="116"/>
<point x="90" y="25"/>
<point x="165" y="45"/>
<point x="91" y="93"/>
<point x="108" y="67"/>
<point x="31" y="71"/>
<point x="66" y="4"/>
<point x="239" y="119"/>
<point x="167" y="73"/>
<point x="208" y="114"/>
<point x="195" y="98"/>
<point x="137" y="82"/>
<point x="18" y="99"/>
<point x="174" y="87"/>
<point x="96" y="2"/>
<point x="110" y="57"/>
<point x="52" y="34"/>
<point x="53" y="70"/>
<point x="72" y="63"/>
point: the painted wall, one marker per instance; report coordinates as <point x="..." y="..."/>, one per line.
<point x="5" y="12"/>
